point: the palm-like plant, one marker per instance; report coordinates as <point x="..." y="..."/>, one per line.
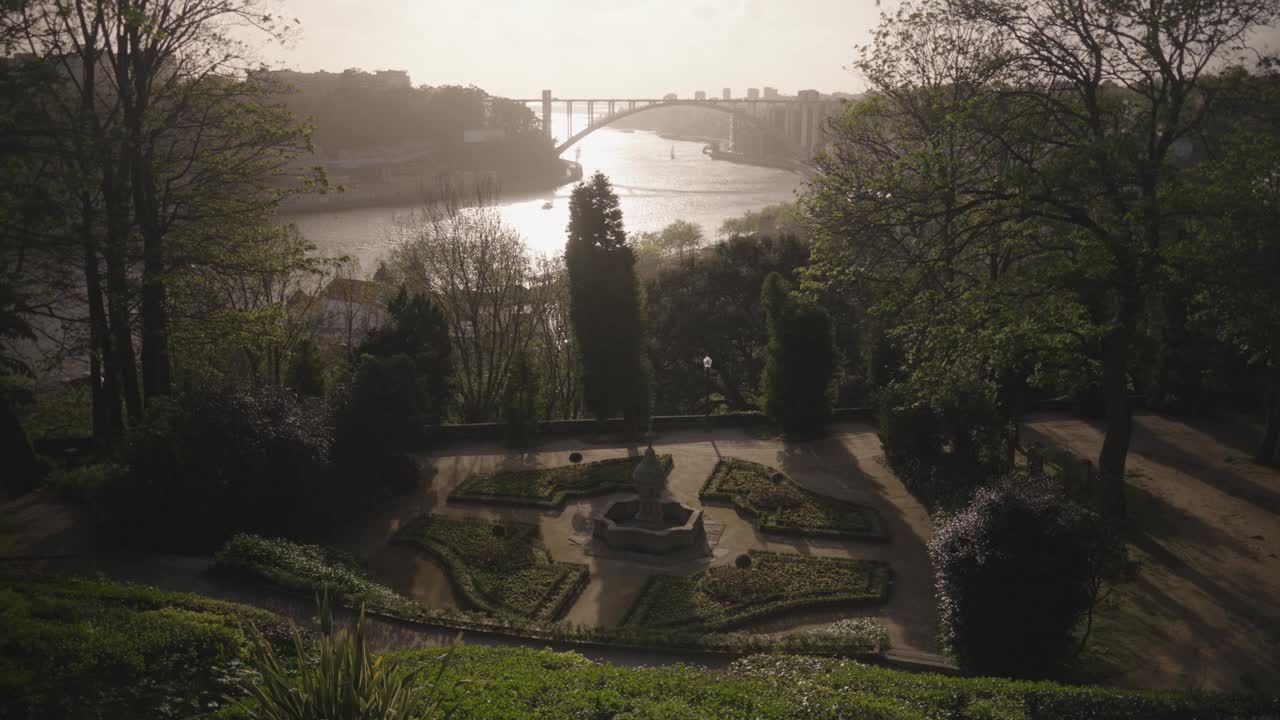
<point x="343" y="680"/>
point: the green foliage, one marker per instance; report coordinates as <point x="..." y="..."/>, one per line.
<point x="376" y="420"/>
<point x="773" y="583"/>
<point x="417" y="329"/>
<point x="943" y="452"/>
<point x="311" y="569"/>
<point x="223" y="459"/>
<point x="306" y="370"/>
<point x="74" y="648"/>
<point x="710" y="305"/>
<point x="781" y="219"/>
<point x="778" y="504"/>
<point x="501" y="568"/>
<point x="605" y="307"/>
<point x="801" y="360"/>
<point x="84" y="483"/>
<point x="552" y="487"/>
<point x="1017" y="570"/>
<point x="520" y="403"/>
<point x="342" y="679"/>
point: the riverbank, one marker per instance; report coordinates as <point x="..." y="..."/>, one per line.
<point x="414" y="191"/>
<point x="742" y="159"/>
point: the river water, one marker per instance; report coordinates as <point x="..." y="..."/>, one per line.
<point x="653" y="189"/>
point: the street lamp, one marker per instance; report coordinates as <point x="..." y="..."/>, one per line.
<point x="706" y="367"/>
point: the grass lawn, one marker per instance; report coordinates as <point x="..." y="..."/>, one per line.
<point x="728" y="595"/>
<point x="550" y="488"/>
<point x="779" y="505"/>
<point x="499" y="567"/>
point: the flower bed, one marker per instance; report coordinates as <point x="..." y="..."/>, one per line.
<point x="727" y="596"/>
<point x="551" y="488"/>
<point x="498" y="567"/>
<point x="778" y="505"/>
<point x="307" y="569"/>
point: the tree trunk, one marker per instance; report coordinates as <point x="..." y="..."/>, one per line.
<point x="1266" y="453"/>
<point x="118" y="311"/>
<point x="1119" y="417"/>
<point x="155" y="331"/>
<point x="108" y="424"/>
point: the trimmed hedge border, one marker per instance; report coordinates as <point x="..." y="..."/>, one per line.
<point x="558" y="498"/>
<point x="710" y="493"/>
<point x="294" y="569"/>
<point x="555" y="601"/>
<point x="879" y="581"/>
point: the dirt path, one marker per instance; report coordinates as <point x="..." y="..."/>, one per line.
<point x="1204" y="608"/>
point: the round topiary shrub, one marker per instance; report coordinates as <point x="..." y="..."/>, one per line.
<point x="575" y="457"/>
<point x="499" y="531"/>
<point x="1015" y="571"/>
<point x="742" y="561"/>
<point x="777" y="478"/>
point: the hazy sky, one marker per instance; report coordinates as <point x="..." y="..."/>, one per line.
<point x="579" y="47"/>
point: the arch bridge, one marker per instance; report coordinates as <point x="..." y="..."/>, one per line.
<point x="796" y="126"/>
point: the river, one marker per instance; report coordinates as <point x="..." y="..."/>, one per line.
<point x="653" y="189"/>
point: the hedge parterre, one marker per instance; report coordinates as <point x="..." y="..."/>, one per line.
<point x="551" y="488"/>
<point x="779" y="505"/>
<point x="773" y="583"/>
<point x="498" y="567"/>
<point x="308" y="569"/>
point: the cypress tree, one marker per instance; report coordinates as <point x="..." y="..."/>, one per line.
<point x="801" y="360"/>
<point x="604" y="306"/>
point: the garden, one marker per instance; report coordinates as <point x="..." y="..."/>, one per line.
<point x="779" y="505"/>
<point x="501" y="568"/>
<point x="758" y="585"/>
<point x="551" y="488"/>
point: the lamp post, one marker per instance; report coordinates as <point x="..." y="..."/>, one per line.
<point x="706" y="368"/>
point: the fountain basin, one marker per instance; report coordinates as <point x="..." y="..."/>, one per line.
<point x="675" y="527"/>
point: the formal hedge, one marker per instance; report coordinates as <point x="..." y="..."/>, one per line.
<point x="551" y="488"/>
<point x="728" y="596"/>
<point x="78" y="648"/>
<point x="501" y="568"/>
<point x="306" y="569"/>
<point x="777" y="504"/>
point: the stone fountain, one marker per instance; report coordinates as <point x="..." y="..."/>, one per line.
<point x="650" y="522"/>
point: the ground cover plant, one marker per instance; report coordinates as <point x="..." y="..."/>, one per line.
<point x="74" y="648"/>
<point x="523" y="684"/>
<point x="551" y="487"/>
<point x="309" y="569"/>
<point x="771" y="583"/>
<point x="779" y="505"/>
<point x="502" y="568"/>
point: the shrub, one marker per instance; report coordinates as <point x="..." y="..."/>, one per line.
<point x="222" y="459"/>
<point x="742" y="561"/>
<point x="552" y="487"/>
<point x="575" y="457"/>
<point x="342" y="679"/>
<point x="780" y="505"/>
<point x="801" y="361"/>
<point x="306" y="371"/>
<point x="73" y="648"/>
<point x="1016" y="571"/>
<point x="418" y="331"/>
<point x="942" y="449"/>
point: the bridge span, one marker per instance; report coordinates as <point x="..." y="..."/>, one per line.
<point x="795" y="126"/>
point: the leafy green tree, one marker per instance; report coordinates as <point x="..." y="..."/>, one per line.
<point x="605" y="306"/>
<point x="801" y="360"/>
<point x="711" y="306"/>
<point x="520" y="403"/>
<point x="418" y="331"/>
<point x="306" y="370"/>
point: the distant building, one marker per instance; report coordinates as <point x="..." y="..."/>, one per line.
<point x="727" y="94"/>
<point x="770" y="93"/>
<point x="809" y="95"/>
<point x="753" y="93"/>
<point x="700" y="95"/>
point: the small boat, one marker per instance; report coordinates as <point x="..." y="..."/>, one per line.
<point x="673" y="152"/>
<point x="546" y="205"/>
